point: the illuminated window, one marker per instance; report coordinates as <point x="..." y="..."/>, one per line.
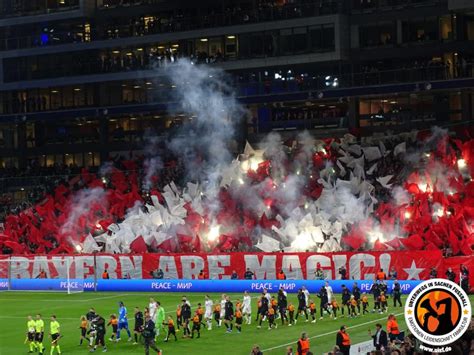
<point x="87" y="32"/>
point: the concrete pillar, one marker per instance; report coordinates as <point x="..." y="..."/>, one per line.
<point x="22" y="144"/>
<point x="103" y="137"/>
<point x="467" y="105"/>
<point x="1" y="71"/>
<point x="353" y="113"/>
<point x="399" y="32"/>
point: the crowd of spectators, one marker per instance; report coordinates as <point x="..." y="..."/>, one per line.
<point x="376" y="4"/>
<point x="225" y="15"/>
<point x="254" y="83"/>
<point x="71" y="179"/>
<point x="133" y="180"/>
<point x="142" y="60"/>
<point x="34" y="181"/>
<point x="366" y="73"/>
<point x="127" y="3"/>
<point x="410" y="345"/>
<point x="113" y="62"/>
<point x="370" y="74"/>
<point x="416" y="70"/>
<point x="404" y="344"/>
<point x="290" y="114"/>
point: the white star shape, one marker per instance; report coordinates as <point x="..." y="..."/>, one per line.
<point x="413" y="271"/>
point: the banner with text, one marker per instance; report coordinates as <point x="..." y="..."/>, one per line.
<point x="204" y="286"/>
<point x="409" y="265"/>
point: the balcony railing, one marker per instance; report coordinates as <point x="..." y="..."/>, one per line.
<point x="166" y="24"/>
<point x="386" y="5"/>
<point x="10" y="9"/>
<point x="270" y="86"/>
<point x="358" y="79"/>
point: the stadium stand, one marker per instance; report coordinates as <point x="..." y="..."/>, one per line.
<point x="428" y="210"/>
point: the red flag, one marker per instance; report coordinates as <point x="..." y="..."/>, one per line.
<point x="268" y="223"/>
<point x="169" y="245"/>
<point x="395" y="243"/>
<point x="316" y="191"/>
<point x="413" y="242"/>
<point x="412" y="188"/>
<point x="355" y="239"/>
<point x="430" y="246"/>
<point x="263" y="170"/>
<point x="467" y="246"/>
<point x="454" y="242"/>
<point x="138" y="246"/>
<point x="188" y="243"/>
<point x="15" y="246"/>
<point x="379" y="246"/>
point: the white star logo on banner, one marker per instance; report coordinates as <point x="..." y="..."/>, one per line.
<point x="413" y="271"/>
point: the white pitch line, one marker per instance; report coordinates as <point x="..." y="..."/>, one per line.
<point x="329" y="333"/>
<point x="101" y="298"/>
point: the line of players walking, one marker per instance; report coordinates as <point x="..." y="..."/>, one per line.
<point x="93" y="327"/>
<point x="150" y="322"/>
<point x="356" y="303"/>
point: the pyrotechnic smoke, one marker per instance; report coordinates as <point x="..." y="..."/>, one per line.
<point x="80" y="206"/>
<point x="249" y="196"/>
<point x="153" y="163"/>
<point x="440" y="176"/>
<point x="106" y="169"/>
<point x="400" y="196"/>
<point x="415" y="155"/>
<point x="134" y="210"/>
<point x="275" y="151"/>
<point x="152" y="166"/>
<point x="289" y="194"/>
<point x="204" y="143"/>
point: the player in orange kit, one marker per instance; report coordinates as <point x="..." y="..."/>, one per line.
<point x="171" y="329"/>
<point x="271" y="318"/>
<point x="238" y="319"/>
<point x="196" y="326"/>
<point x="291" y="314"/>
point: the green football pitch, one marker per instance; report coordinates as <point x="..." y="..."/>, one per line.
<point x="16" y="306"/>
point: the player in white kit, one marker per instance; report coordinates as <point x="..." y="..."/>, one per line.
<point x="246" y="308"/>
<point x="223" y="301"/>
<point x="152" y="307"/>
<point x="268" y="296"/>
<point x="208" y="304"/>
<point x="329" y="292"/>
<point x="306" y="295"/>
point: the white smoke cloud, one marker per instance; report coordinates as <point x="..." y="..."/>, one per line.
<point x="151" y="167"/>
<point x="152" y="163"/>
<point x="400" y="196"/>
<point x="106" y="169"/>
<point x="80" y="207"/>
<point x="205" y="142"/>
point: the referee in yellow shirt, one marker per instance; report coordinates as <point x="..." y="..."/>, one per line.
<point x="30" y="333"/>
<point x="39" y="329"/>
<point x="54" y="331"/>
